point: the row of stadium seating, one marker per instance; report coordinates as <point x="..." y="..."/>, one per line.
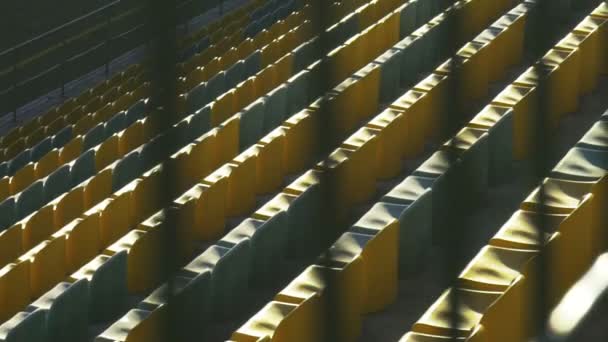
<point x="392" y="235"/>
<point x="47" y="249"/>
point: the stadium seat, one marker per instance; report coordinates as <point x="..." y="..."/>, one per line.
<point x="57" y="183"/>
<point x="46" y="265"/>
<point x="268" y="240"/>
<point x="47" y="164"/>
<point x="66" y="317"/>
<point x="251" y="120"/>
<point x="275" y="108"/>
<point x="498" y="123"/>
<point x="230" y="271"/>
<point x="14" y="288"/>
<point x="40" y="149"/>
<point x="83" y="167"/>
<point x="29" y="199"/>
<point x="107" y="278"/>
<point x="24" y="326"/>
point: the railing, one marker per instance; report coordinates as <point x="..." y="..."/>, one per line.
<point x="49" y="61"/>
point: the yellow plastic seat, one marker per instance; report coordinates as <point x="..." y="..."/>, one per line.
<point x="222" y="108"/>
<point x="364" y="143"/>
<point x="131" y="138"/>
<point x="309" y="291"/>
<point x="379" y="257"/>
<point x="114" y="220"/>
<point x="107" y="152"/>
<point x="524" y="101"/>
<point x="266" y="80"/>
<point x="389" y="127"/>
<point x="11" y="244"/>
<point x="46" y="265"/>
<point x="227" y="140"/>
<point x="68" y="206"/>
<point x="210" y="208"/>
<point x="301" y="140"/>
<point x="22" y="179"/>
<point x="240" y="175"/>
<point x="146" y="255"/>
<point x="284" y="67"/>
<point x="38" y="227"/>
<point x="281" y="322"/>
<point x="495" y="268"/>
<point x="587" y="43"/>
<point x="97" y="188"/>
<point x="244" y="93"/>
<point x="82" y="241"/>
<point x="419" y="120"/>
<point x="472" y="306"/>
<point x="47" y="164"/>
<point x="146" y="197"/>
<point x="71" y="150"/>
<point x="597" y="25"/>
<point x="270" y="169"/>
<point x="14" y="289"/>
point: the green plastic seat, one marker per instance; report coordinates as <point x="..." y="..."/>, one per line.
<point x="25" y="327"/>
<point x="66" y="311"/>
<point x="268" y="240"/>
<point x="251" y="123"/>
<point x="230" y="269"/>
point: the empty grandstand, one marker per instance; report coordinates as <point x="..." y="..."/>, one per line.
<point x="304" y="170"/>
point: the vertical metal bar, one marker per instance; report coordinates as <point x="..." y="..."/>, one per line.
<point x="163" y="47"/>
<point x="452" y="245"/>
<point x="320" y="21"/>
<point x="540" y="163"/>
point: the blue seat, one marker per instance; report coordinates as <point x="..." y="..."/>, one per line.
<point x="275" y="108"/>
<point x="190" y="298"/>
<point x="66" y="311"/>
<point x="412" y="54"/>
<point x="445" y="174"/>
<point x="581" y="164"/>
<point x="390" y="74"/>
<point x="201" y="121"/>
<point x="297" y="92"/>
<point x="126" y="170"/>
<point x="251" y="124"/>
<point x="83" y="167"/>
<point x="62" y="137"/>
<point x="151" y="152"/>
<point x="499" y="123"/>
<point x="19" y="161"/>
<point x="3" y="169"/>
<point x="41" y="149"/>
<point x="307" y="235"/>
<point x="230" y="269"/>
<point x="7" y="213"/>
<point x="216" y="86"/>
<point x="116" y="124"/>
<point x="94" y="137"/>
<point x="25" y="327"/>
<point x="108" y="286"/>
<point x="304" y="54"/>
<point x="203" y="44"/>
<point x="135" y="112"/>
<point x="252" y="29"/>
<point x="235" y="74"/>
<point x="197" y="97"/>
<point x="267" y="20"/>
<point x="253" y="64"/>
<point x="596" y="137"/>
<point x="423" y="12"/>
<point x="268" y="240"/>
<point x="408" y="20"/>
<point x="57" y="183"/>
<point x="29" y="200"/>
